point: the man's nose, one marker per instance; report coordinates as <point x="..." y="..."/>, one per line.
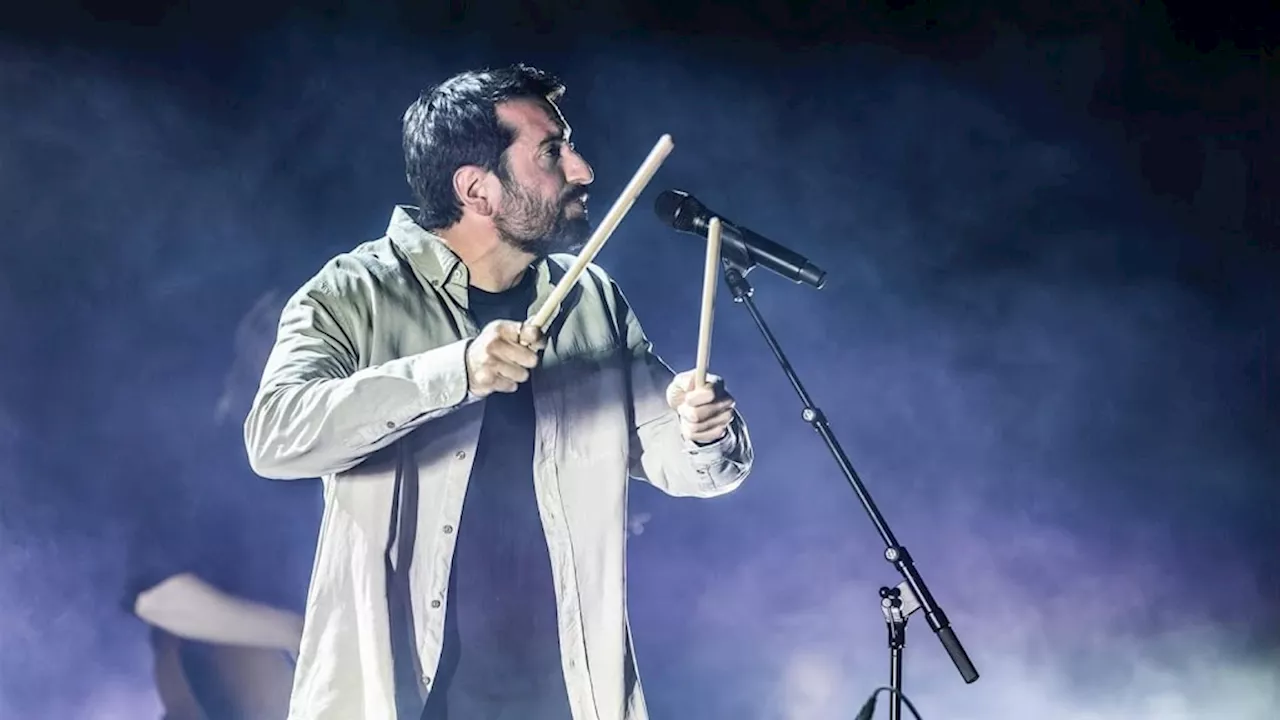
<point x="577" y="170"/>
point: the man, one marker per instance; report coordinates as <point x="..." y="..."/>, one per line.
<point x="471" y="561"/>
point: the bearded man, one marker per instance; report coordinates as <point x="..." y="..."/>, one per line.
<point x="471" y="561"/>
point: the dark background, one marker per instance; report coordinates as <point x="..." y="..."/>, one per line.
<point x="1048" y="341"/>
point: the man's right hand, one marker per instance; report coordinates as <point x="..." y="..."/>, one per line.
<point x="501" y="356"/>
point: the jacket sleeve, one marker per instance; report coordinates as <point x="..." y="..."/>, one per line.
<point x="317" y="412"/>
<point x="659" y="453"/>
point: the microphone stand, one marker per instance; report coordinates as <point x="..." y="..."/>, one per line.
<point x="898" y="603"/>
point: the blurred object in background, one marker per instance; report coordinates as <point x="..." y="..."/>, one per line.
<point x="217" y="656"/>
<point x="255" y="335"/>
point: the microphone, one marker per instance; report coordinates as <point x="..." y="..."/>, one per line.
<point x="685" y="213"/>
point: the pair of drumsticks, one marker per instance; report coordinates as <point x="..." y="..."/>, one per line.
<point x="606" y="228"/>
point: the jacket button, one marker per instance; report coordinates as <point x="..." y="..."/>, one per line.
<point x="448" y="529"/>
<point x="460" y="454"/>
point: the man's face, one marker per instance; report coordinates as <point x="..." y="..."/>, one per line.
<point x="544" y="194"/>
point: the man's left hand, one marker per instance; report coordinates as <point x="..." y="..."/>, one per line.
<point x="705" y="412"/>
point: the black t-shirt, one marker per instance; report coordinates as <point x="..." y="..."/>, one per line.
<point x="501" y="651"/>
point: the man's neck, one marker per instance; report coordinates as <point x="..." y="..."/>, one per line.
<point x="493" y="265"/>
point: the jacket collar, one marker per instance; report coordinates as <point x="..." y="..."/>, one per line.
<point x="440" y="266"/>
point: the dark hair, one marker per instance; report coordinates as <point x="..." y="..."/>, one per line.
<point x="456" y="123"/>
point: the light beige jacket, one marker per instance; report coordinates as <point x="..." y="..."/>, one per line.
<point x="366" y="387"/>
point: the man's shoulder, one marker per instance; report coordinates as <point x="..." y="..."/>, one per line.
<point x="366" y="265"/>
<point x="597" y="285"/>
<point x="376" y="258"/>
<point x="565" y="261"/>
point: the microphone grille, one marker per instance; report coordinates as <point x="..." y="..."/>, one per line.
<point x="669" y="206"/>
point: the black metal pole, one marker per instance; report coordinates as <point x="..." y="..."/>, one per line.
<point x="896" y="622"/>
<point x="735" y="271"/>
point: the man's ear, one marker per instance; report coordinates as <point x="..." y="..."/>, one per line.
<point x="474" y="188"/>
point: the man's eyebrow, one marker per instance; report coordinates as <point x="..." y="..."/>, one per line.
<point x="561" y="135"/>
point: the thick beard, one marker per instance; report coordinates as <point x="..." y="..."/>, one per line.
<point x="541" y="228"/>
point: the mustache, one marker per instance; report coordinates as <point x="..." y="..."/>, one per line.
<point x="577" y="193"/>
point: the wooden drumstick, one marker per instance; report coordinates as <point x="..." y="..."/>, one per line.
<point x="604" y="230"/>
<point x="710" y="277"/>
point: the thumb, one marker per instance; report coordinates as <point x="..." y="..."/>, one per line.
<point x="508" y="330"/>
<point x="530" y="335"/>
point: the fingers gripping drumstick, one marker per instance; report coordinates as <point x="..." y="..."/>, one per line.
<point x="605" y="229"/>
<point x="709" y="278"/>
